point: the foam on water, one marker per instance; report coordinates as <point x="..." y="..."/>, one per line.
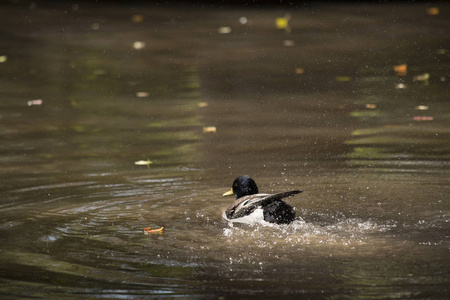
<point x="343" y="233"/>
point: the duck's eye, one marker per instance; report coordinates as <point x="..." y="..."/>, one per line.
<point x="245" y="203"/>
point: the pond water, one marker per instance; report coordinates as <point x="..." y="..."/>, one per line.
<point x="347" y="103"/>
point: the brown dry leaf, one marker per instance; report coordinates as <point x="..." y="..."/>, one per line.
<point x="433" y="11"/>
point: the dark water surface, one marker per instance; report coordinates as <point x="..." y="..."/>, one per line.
<point x="85" y="91"/>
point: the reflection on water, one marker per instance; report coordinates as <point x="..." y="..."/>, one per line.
<point x="348" y="104"/>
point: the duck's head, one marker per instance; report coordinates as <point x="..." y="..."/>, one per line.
<point x="242" y="186"/>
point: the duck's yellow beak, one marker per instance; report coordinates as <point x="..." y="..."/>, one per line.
<point x="229" y="193"/>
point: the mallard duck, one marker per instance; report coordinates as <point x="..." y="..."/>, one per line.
<point x="248" y="199"/>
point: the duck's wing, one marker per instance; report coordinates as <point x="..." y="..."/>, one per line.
<point x="278" y="196"/>
<point x="247" y="204"/>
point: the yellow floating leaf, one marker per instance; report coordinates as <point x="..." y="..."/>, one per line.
<point x="299" y="71"/>
<point x="209" y="129"/>
<point x="283" y="23"/>
<point x="371" y="106"/>
<point x="148" y="230"/>
<point x="343" y="78"/>
<point x="421" y="77"/>
<point x="202" y="104"/>
<point x="143" y="162"/>
<point x="3" y="58"/>
<point x="422" y="107"/>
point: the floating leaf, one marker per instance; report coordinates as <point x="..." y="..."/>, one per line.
<point x="299" y="71"/>
<point x="143" y="163"/>
<point x="422" y="77"/>
<point x="209" y="129"/>
<point x="343" y="78"/>
<point x="288" y="43"/>
<point x="148" y="230"/>
<point x="371" y="106"/>
<point x="422" y="107"/>
<point x="433" y="11"/>
<point x="400" y="86"/>
<point x="366" y="114"/>
<point x="283" y="23"/>
<point x="202" y="104"/>
<point x="35" y="102"/>
<point x="224" y="30"/>
<point x="138" y="45"/>
<point x="142" y="94"/>
<point x="423" y="118"/>
<point x="401" y="70"/>
<point x="3" y="58"/>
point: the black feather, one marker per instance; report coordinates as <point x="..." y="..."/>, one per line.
<point x="275" y="210"/>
